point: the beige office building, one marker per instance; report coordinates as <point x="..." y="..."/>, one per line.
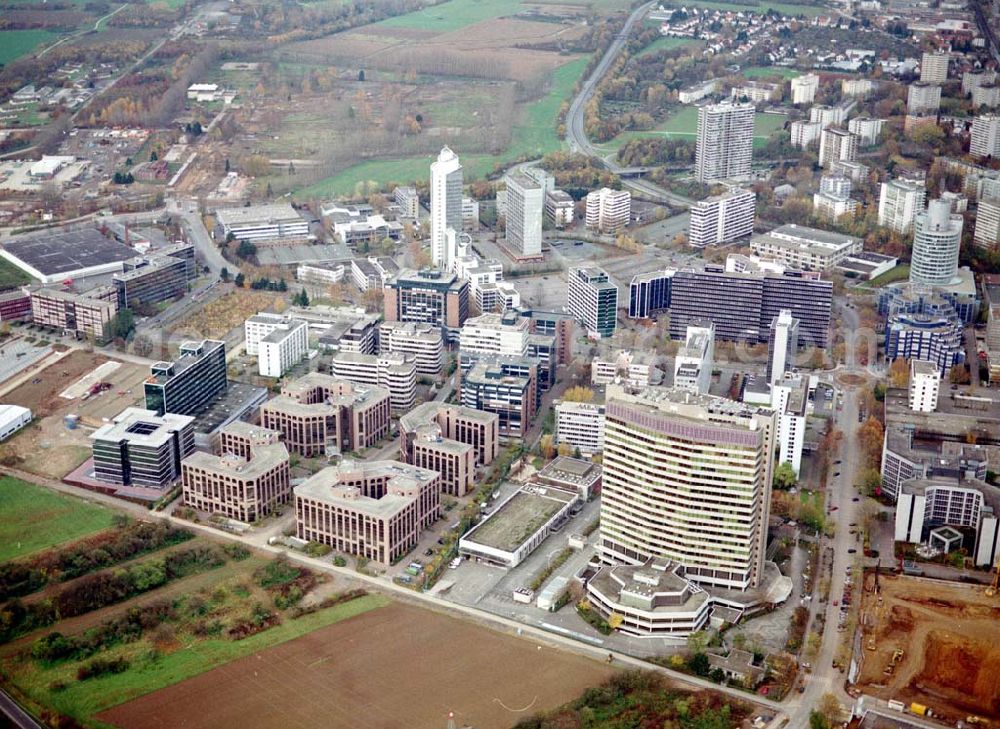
<point x="687" y="478"/>
<point x="319" y="414"/>
<point x="449" y="439"/>
<point x="241" y="487"/>
<point x="373" y="509"/>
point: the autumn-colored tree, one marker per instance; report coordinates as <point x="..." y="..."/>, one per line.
<point x="899" y="373"/>
<point x="870" y="437"/>
<point x="959" y="375"/>
<point x="547" y="447"/>
<point x="565" y="449"/>
<point x="578" y="393"/>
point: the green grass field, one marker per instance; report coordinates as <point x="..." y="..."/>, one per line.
<point x="84" y="699"/>
<point x="11" y="276"/>
<point x="899" y="273"/>
<point x="684" y="124"/>
<point x="768" y="71"/>
<point x="664" y="44"/>
<point x="810" y="11"/>
<point x="17" y="43"/>
<point x="453" y="15"/>
<point x="534" y="134"/>
<point x="34" y="518"/>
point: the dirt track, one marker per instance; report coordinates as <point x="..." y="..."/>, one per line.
<point x="950" y="635"/>
<point x="397" y="666"/>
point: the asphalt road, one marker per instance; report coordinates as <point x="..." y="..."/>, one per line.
<point x="576" y="135"/>
<point x="18" y="717"/>
<point x="840" y="493"/>
<point x="203" y="244"/>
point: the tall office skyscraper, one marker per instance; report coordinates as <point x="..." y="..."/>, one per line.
<point x="899" y="202"/>
<point x="687" y="477"/>
<point x="525" y="206"/>
<point x="446" y="207"/>
<point x="782" y="345"/>
<point x="937" y="237"/>
<point x="592" y="299"/>
<point x="725" y="142"/>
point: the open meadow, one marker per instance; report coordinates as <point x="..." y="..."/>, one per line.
<point x="35" y="518"/>
<point x="683" y="124"/>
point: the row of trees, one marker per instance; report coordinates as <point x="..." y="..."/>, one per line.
<point x="22" y="577"/>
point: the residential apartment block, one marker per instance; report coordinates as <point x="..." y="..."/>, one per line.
<point x="985" y="136"/>
<point x="608" y="211"/>
<point x="898" y="204"/>
<point x="725" y="142"/>
<point x="722" y="218"/>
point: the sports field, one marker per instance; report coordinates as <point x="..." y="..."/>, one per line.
<point x="766" y="71"/>
<point x="16" y="43"/>
<point x="453" y="15"/>
<point x="34" y="518"/>
<point x="396" y="666"/>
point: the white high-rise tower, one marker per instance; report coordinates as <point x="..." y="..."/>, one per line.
<point x="937" y="238"/>
<point x="446" y="207"/>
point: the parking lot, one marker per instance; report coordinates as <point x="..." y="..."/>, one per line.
<point x="17" y="354"/>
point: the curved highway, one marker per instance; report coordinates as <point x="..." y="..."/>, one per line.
<point x="576" y="135"/>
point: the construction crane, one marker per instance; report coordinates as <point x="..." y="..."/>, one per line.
<point x="992" y="589"/>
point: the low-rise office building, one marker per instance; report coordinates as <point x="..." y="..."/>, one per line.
<point x="239" y="487"/>
<point x="468" y="426"/>
<point x="261" y="224"/>
<point x="320" y="415"/>
<point x="805" y="249"/>
<point x="512" y="398"/>
<point x="652" y="599"/>
<point x="142" y="449"/>
<point x="79" y="315"/>
<point x="12" y="419"/>
<point x="372" y="509"/>
<point x="423" y="342"/>
<point x="395" y="372"/>
<point x="283" y="347"/>
<point x="580" y="425"/>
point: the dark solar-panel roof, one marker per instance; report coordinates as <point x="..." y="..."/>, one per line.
<point x="55" y="252"/>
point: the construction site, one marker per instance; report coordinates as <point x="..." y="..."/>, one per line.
<point x="932" y="648"/>
<point x="75" y="393"/>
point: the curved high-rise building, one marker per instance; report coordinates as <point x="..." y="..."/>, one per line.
<point x="687" y="478"/>
<point x="937" y="237"/>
